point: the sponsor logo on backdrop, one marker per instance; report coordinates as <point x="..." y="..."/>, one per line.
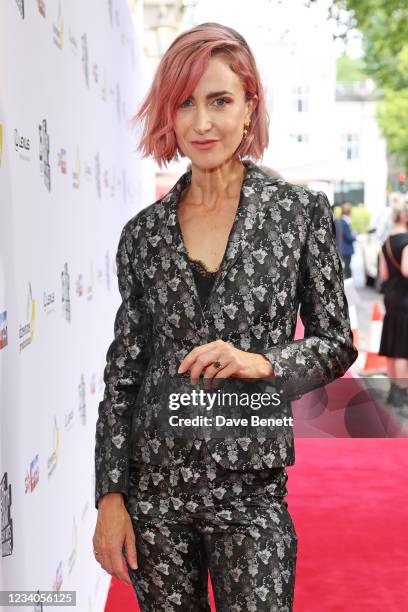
<point x="53" y="459"/>
<point x="33" y="475"/>
<point x="65" y="298"/>
<point x="107" y="270"/>
<point x="106" y="178"/>
<point x="69" y="420"/>
<point x="90" y="287"/>
<point x="113" y="184"/>
<point x="62" y="160"/>
<point x="58" y="29"/>
<point x="1" y="143"/>
<point x="6" y="520"/>
<point x="82" y="401"/>
<point x="57" y="584"/>
<point x="3" y="329"/>
<point x="49" y="302"/>
<point x="127" y="194"/>
<point x="88" y="172"/>
<point x="72" y="42"/>
<point x="85" y="65"/>
<point x="20" y="6"/>
<point x="22" y="146"/>
<point x="79" y="285"/>
<point x="73" y="555"/>
<point x="26" y="329"/>
<point x="92" y="384"/>
<point x="41" y="7"/>
<point x="110" y="12"/>
<point x="95" y="72"/>
<point x="98" y="175"/>
<point x="103" y="86"/>
<point x="76" y="174"/>
<point x="111" y="93"/>
<point x="44" y="153"/>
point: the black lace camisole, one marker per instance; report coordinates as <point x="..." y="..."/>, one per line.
<point x="204" y="278"/>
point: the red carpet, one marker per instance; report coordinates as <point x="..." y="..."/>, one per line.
<point x="348" y="500"/>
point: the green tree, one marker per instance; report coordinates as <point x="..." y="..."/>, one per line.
<point x="349" y="69"/>
<point x="392" y="116"/>
<point x="384" y="26"/>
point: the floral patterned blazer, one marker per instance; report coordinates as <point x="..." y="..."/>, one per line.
<point x="281" y="255"/>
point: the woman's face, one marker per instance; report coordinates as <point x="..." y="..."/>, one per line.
<point x="216" y="111"/>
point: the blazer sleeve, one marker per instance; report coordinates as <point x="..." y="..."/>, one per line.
<point x="349" y="236"/>
<point x="326" y="351"/>
<point x="126" y="362"/>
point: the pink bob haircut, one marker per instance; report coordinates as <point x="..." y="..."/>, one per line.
<point x="176" y="77"/>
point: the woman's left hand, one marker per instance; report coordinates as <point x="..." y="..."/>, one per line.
<point x="235" y="363"/>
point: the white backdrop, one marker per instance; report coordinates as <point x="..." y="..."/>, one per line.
<point x="71" y="75"/>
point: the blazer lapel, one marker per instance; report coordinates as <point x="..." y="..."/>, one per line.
<point x="249" y="217"/>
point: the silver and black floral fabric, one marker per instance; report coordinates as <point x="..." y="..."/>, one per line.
<point x="281" y="255"/>
<point x="199" y="516"/>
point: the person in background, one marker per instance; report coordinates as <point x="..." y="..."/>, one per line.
<point x="394" y="337"/>
<point x="345" y="238"/>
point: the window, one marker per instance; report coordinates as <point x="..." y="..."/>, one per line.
<point x="300" y="103"/>
<point x="348" y="192"/>
<point x="302" y="138"/>
<point x="349" y="146"/>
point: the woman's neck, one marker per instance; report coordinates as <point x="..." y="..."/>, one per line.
<point x="399" y="228"/>
<point x="211" y="187"/>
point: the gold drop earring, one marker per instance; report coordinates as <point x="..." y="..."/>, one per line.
<point x="246" y="130"/>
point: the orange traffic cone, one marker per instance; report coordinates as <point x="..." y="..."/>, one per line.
<point x="374" y="362"/>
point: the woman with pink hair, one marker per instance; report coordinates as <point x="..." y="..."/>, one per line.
<point x="211" y="277"/>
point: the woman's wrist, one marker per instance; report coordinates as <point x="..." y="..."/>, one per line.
<point x="264" y="366"/>
<point x="112" y="497"/>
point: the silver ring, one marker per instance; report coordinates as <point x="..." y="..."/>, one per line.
<point x="217" y="364"/>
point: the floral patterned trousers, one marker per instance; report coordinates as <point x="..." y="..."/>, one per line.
<point x="199" y="516"/>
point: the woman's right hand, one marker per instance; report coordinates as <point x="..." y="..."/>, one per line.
<point x="113" y="529"/>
